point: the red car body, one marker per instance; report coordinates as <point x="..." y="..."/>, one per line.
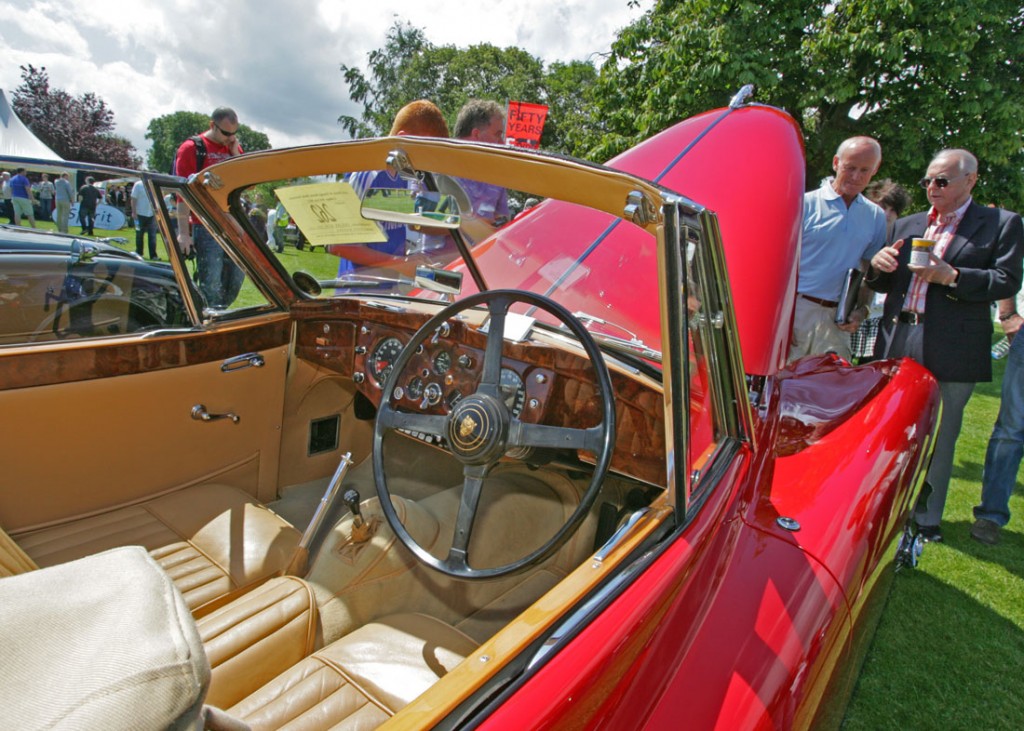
<point x="666" y="653"/>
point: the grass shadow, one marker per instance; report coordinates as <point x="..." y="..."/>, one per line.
<point x="960" y="672"/>
<point x="1009" y="554"/>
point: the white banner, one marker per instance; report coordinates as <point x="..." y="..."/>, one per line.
<point x="107" y="217"/>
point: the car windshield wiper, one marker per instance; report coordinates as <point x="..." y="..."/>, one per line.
<point x="610" y="342"/>
<point x="631" y="344"/>
<point x="433" y="279"/>
<point x="365" y="281"/>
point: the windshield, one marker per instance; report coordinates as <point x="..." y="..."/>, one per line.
<point x="443" y="237"/>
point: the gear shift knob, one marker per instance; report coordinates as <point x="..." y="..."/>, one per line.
<point x="351" y="499"/>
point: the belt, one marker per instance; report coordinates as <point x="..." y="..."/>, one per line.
<point x="818" y="301"/>
<point x="911" y="318"/>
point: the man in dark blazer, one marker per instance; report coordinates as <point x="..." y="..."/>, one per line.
<point x="938" y="313"/>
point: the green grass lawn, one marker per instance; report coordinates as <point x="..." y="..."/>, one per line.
<point x="949" y="653"/>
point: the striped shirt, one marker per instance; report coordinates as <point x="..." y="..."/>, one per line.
<point x="941" y="229"/>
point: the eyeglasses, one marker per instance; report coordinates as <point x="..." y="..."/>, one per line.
<point x="939" y="182"/>
<point x="224" y="131"/>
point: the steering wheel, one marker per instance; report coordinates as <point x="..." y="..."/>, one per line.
<point x="480" y="429"/>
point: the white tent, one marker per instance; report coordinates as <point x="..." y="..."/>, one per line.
<point x="17" y="140"/>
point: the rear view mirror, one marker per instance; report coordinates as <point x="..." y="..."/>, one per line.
<point x="411" y="207"/>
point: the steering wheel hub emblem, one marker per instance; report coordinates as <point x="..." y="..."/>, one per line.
<point x="477" y="428"/>
<point x="467" y="427"/>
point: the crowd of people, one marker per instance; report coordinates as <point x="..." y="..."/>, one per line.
<point x="935" y="276"/>
<point x="26" y="201"/>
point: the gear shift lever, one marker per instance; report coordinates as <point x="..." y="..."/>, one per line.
<point x="351" y="499"/>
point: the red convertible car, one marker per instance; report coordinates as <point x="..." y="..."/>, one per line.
<point x="560" y="478"/>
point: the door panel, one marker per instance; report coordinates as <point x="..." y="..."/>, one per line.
<point x="113" y="423"/>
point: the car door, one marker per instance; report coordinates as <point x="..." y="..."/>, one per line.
<point x="96" y="420"/>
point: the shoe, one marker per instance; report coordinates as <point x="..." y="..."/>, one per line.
<point x="985" y="531"/>
<point x="930" y="533"/>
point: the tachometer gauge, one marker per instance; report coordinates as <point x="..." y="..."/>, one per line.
<point x="512" y="390"/>
<point x="442" y="362"/>
<point x="383" y="357"/>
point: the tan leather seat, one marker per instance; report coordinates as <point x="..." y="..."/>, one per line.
<point x="256" y="637"/>
<point x="215" y="542"/>
<point x="361" y="680"/>
<point x="13" y="560"/>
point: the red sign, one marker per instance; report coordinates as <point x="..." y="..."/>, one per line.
<point x="525" y="124"/>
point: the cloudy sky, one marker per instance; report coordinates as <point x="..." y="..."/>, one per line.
<point x="278" y="63"/>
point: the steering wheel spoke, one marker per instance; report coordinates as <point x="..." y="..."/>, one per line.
<point x="432" y="424"/>
<point x="490" y="376"/>
<point x="522" y="434"/>
<point x="472" y="488"/>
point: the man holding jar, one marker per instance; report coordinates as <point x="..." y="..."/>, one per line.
<point x="938" y="313"/>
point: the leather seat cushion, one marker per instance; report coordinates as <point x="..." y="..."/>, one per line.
<point x="361" y="680"/>
<point x="254" y="638"/>
<point x="13" y="559"/>
<point x="212" y="540"/>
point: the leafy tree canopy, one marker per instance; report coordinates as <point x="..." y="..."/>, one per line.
<point x="166" y="134"/>
<point x="76" y="128"/>
<point x="918" y="75"/>
<point x="409" y="67"/>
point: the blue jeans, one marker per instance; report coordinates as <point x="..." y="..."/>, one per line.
<point x="220" y="279"/>
<point x="146" y="225"/>
<point x="1006" y="445"/>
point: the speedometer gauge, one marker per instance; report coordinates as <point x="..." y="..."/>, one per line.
<point x="442" y="362"/>
<point x="512" y="390"/>
<point x="383" y="358"/>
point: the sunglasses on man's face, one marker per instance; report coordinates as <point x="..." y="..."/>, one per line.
<point x="224" y="131"/>
<point x="939" y="182"/>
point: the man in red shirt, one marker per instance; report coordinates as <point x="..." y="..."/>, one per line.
<point x="220" y="278"/>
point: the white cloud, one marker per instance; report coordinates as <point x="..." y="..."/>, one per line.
<point x="277" y="65"/>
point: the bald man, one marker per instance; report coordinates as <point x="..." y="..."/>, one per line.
<point x="842" y="230"/>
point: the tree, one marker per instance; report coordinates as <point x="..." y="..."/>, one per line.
<point x="166" y="134"/>
<point x="569" y="94"/>
<point x="919" y="75"/>
<point x="409" y="67"/>
<point x="76" y="128"/>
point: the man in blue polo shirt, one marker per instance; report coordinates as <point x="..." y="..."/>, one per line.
<point x="841" y="230"/>
<point x="21" y="197"/>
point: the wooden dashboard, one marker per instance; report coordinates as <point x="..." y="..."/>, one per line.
<point x="540" y="383"/>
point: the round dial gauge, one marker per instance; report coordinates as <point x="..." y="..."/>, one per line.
<point x="415" y="389"/>
<point x="512" y="390"/>
<point x="442" y="362"/>
<point x="383" y="357"/>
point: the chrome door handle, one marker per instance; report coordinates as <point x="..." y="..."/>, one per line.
<point x="247" y="360"/>
<point x="199" y="413"/>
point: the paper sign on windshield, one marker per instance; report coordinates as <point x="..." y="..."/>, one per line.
<point x="328" y="213"/>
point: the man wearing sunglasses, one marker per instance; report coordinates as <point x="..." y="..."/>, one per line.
<point x="220" y="279"/>
<point x="939" y="313"/>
